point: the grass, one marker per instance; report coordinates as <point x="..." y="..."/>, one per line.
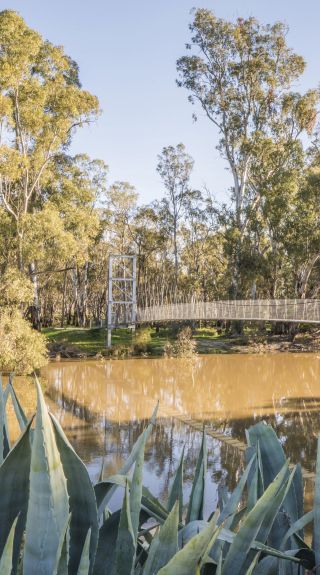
<point x="87" y="341"/>
<point x="75" y="341"/>
<point x="93" y="341"/>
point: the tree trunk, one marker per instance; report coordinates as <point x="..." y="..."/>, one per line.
<point x="64" y="297"/>
<point x="35" y="308"/>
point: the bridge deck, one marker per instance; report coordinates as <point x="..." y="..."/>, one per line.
<point x="290" y="310"/>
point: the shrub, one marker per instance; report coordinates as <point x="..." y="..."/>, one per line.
<point x="22" y="349"/>
<point x="142" y="341"/>
<point x="54" y="521"/>
<point x="184" y="346"/>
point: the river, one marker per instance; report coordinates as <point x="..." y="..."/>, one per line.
<point x="104" y="405"/>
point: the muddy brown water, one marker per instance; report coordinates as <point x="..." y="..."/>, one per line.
<point x="104" y="405"/>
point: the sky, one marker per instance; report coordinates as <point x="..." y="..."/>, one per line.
<point x="127" y="52"/>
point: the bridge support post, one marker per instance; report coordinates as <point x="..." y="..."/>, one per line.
<point x="122" y="298"/>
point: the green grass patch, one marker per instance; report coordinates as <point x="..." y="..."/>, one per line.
<point x="147" y="340"/>
<point x="87" y="341"/>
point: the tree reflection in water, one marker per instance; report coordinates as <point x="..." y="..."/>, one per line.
<point x="103" y="407"/>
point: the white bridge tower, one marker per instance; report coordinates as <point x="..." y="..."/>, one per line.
<point x="122" y="297"/>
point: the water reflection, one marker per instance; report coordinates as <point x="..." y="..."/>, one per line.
<point x="103" y="407"/>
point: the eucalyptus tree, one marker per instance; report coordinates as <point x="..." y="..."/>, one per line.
<point x="120" y="208"/>
<point x="72" y="198"/>
<point x="175" y="167"/>
<point x="303" y="235"/>
<point x="42" y="103"/>
<point x="241" y="74"/>
<point x="151" y="244"/>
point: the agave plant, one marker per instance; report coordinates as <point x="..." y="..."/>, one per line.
<point x="54" y="521"/>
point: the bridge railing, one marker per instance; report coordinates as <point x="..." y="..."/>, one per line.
<point x="289" y="310"/>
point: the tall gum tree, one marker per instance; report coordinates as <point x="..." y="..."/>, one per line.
<point x="41" y="104"/>
<point x="175" y="167"/>
<point x="241" y="74"/>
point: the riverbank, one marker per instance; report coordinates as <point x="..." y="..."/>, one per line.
<point x="80" y="343"/>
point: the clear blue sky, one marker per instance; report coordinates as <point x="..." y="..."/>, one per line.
<point x="127" y="51"/>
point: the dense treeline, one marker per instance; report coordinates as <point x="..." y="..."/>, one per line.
<point x="60" y="217"/>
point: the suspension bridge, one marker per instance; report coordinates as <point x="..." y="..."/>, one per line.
<point x="281" y="310"/>
<point x="124" y="311"/>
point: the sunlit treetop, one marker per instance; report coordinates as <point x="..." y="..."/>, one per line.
<point x="41" y="104"/>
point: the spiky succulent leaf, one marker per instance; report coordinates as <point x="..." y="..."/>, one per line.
<point x="187" y="560"/>
<point x="14" y="493"/>
<point x="235" y="498"/>
<point x="48" y="505"/>
<point x="125" y="546"/>
<point x="316" y="513"/>
<point x="6" y="560"/>
<point x="165" y="544"/>
<point x="249" y="529"/>
<point x="62" y="558"/>
<point x="18" y="409"/>
<point x="84" y="566"/>
<point x="176" y="491"/>
<point x="196" y="503"/>
<point x="82" y="501"/>
<point x="105" y="556"/>
<point x="136" y="491"/>
<point x="149" y="503"/>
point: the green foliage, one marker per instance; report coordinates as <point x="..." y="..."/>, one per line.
<point x="22" y="349"/>
<point x="242" y="76"/>
<point x="183" y="346"/>
<point x="54" y="521"/>
<point x="15" y="288"/>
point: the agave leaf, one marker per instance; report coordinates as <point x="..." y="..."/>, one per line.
<point x="62" y="559"/>
<point x="109" y="491"/>
<point x="223" y="496"/>
<point x="20" y="414"/>
<point x="252" y="479"/>
<point x="4" y="446"/>
<point x="234" y="500"/>
<point x="253" y="565"/>
<point x="270" y="516"/>
<point x="14" y="481"/>
<point x="165" y="543"/>
<point x="191" y="530"/>
<point x="277" y="563"/>
<point x="272" y="460"/>
<point x="1" y="421"/>
<point x="48" y="506"/>
<point x="244" y="538"/>
<point x="176" y="491"/>
<point x="228" y="536"/>
<point x="267" y="566"/>
<point x="196" y="503"/>
<point x="316" y="513"/>
<point x="298" y="490"/>
<point x="6" y="560"/>
<point x="219" y="565"/>
<point x="84" y="565"/>
<point x="125" y="547"/>
<point x="272" y="454"/>
<point x="298" y="526"/>
<point x="104" y="559"/>
<point x="187" y="560"/>
<point x="136" y="491"/>
<point x="269" y="519"/>
<point x="255" y="478"/>
<point x="149" y="503"/>
<point x="82" y="500"/>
